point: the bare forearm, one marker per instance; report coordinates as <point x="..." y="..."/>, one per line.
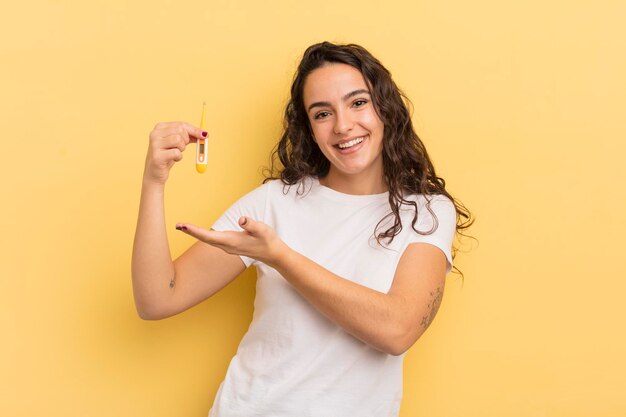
<point x="152" y="266"/>
<point x="371" y="316"/>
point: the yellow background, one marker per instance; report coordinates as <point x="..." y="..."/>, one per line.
<point x="520" y="104"/>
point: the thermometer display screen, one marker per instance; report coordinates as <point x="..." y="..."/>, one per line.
<point x="202" y="148"/>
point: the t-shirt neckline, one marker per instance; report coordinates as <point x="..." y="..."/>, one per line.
<point x="353" y="198"/>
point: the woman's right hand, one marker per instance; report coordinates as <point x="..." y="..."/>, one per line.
<point x="168" y="141"/>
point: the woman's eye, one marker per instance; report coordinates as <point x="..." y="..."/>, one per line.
<point x="321" y="114"/>
<point x="359" y="103"/>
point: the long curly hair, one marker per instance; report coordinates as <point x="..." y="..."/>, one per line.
<point x="406" y="164"/>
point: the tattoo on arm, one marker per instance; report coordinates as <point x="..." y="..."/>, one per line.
<point x="435" y="301"/>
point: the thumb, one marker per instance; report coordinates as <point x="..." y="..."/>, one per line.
<point x="248" y="224"/>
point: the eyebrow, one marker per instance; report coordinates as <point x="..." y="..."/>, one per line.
<point x="346" y="97"/>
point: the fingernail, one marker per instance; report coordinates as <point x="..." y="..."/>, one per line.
<point x="204" y="134"/>
<point x="245" y="220"/>
<point x="183" y="228"/>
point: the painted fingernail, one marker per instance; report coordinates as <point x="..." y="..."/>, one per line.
<point x="204" y="134"/>
<point x="183" y="228"/>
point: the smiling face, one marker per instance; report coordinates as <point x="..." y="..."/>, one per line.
<point x="346" y="128"/>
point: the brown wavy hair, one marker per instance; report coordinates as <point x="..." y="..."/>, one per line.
<point x="406" y="165"/>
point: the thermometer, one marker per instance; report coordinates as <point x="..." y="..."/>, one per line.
<point x="201" y="147"/>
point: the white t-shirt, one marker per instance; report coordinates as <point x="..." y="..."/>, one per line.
<point x="293" y="361"/>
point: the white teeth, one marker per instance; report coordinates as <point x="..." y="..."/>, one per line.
<point x="351" y="143"/>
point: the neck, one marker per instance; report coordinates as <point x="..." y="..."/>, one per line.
<point x="364" y="184"/>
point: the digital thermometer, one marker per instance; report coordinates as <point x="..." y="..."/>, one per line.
<point x="201" y="147"/>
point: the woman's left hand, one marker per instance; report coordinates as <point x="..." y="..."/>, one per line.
<point x="257" y="240"/>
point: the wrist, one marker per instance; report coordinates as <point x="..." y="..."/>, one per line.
<point x="150" y="184"/>
<point x="286" y="256"/>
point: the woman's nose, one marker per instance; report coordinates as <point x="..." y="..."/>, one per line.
<point x="343" y="123"/>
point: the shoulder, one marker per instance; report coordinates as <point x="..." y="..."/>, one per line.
<point x="423" y="199"/>
<point x="440" y="202"/>
<point x="436" y="223"/>
<point x="431" y="210"/>
<point x="433" y="202"/>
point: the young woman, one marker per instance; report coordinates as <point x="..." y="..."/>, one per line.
<point x="352" y="237"/>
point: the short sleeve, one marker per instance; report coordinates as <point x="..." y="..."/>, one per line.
<point x="250" y="205"/>
<point x="443" y="236"/>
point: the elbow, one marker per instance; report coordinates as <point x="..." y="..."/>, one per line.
<point x="398" y="348"/>
<point x="401" y="340"/>
<point x="146" y="316"/>
<point x="150" y="317"/>
<point x="150" y="307"/>
<point x="150" y="314"/>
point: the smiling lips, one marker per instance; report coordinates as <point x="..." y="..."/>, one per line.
<point x="351" y="143"/>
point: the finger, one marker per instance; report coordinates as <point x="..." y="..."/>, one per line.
<point x="195" y="132"/>
<point x="249" y="225"/>
<point x="208" y="236"/>
<point x="187" y="130"/>
<point x="164" y="130"/>
<point x="192" y="230"/>
<point x="174" y="155"/>
<point x="174" y="141"/>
